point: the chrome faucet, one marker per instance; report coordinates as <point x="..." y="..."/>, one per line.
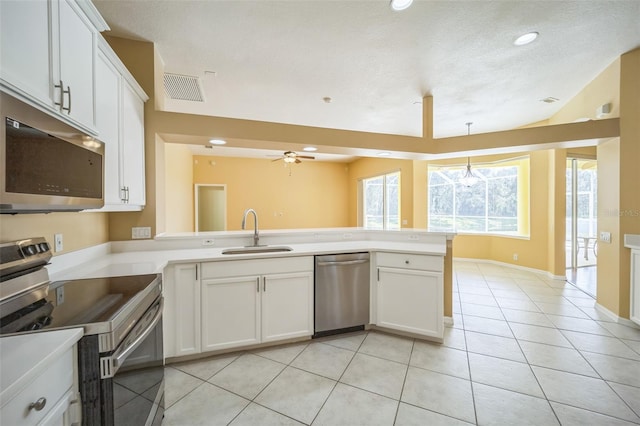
<point x="256" y="236"/>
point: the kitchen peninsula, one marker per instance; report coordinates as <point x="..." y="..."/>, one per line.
<point x="193" y="263"/>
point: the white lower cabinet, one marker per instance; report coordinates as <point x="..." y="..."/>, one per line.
<point x="287" y="306"/>
<point x="39" y="375"/>
<point x="635" y="286"/>
<point x="409" y="293"/>
<point x="228" y="304"/>
<point x="230" y="312"/>
<point x="182" y="310"/>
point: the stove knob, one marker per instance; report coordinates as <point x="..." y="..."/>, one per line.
<point x="43" y="247"/>
<point x="29" y="250"/>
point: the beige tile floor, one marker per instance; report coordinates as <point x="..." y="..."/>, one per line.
<point x="524" y="350"/>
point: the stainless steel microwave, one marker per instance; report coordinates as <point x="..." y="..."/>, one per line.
<point x="46" y="165"/>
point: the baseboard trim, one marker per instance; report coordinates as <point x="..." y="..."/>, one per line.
<point x="614" y="317"/>
<point x="511" y="265"/>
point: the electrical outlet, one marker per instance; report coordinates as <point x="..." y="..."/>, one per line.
<point x="605" y="237"/>
<point x="140" y="232"/>
<point x="405" y="221"/>
<point x="58" y="243"/>
<point x="59" y="296"/>
<point x="208" y="242"/>
<point x="515" y="256"/>
<point x="414" y="237"/>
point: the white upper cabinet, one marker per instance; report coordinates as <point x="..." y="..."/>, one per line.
<point x="132" y="146"/>
<point x="108" y="124"/>
<point x="24" y="50"/>
<point x="47" y="57"/>
<point x="120" y="123"/>
<point x="74" y="74"/>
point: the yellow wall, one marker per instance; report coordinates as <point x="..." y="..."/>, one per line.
<point x="79" y="230"/>
<point x="315" y="195"/>
<point x="605" y="88"/>
<point x="370" y="167"/>
<point x="178" y="188"/>
<point x="420" y="199"/>
<point x="608" y="292"/>
<point x="618" y="193"/>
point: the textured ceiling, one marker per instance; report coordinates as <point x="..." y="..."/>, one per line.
<point x="276" y="60"/>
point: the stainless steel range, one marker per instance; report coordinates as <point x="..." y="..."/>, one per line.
<point x="120" y="358"/>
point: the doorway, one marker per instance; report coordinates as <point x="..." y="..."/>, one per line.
<point x="582" y="221"/>
<point x="211" y="207"/>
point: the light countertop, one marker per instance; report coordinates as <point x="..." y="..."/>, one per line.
<point x="152" y="256"/>
<point x="632" y="241"/>
<point x="24" y="357"/>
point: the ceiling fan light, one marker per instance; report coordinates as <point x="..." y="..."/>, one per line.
<point x="526" y="38"/>
<point x="310" y="148"/>
<point x="289" y="159"/>
<point x="217" y="142"/>
<point x="400" y="4"/>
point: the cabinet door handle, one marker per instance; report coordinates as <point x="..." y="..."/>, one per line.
<point x="264" y="284"/>
<point x="257" y="284"/>
<point x="68" y="92"/>
<point x="378" y="274"/>
<point x="61" y="87"/>
<point x="39" y="404"/>
<point x="196" y="272"/>
<point x="123" y="194"/>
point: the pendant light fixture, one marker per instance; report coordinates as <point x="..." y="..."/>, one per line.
<point x="469" y="179"/>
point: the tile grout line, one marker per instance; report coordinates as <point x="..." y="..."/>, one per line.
<point x="404" y="381"/>
<point x="527" y="359"/>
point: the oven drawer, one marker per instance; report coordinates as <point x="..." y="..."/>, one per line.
<point x="49" y="387"/>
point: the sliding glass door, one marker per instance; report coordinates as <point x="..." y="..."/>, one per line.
<point x="582" y="218"/>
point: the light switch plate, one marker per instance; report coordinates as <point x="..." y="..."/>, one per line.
<point x="605" y="237"/>
<point x="58" y="243"/>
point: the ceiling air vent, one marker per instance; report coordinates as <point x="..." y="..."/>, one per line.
<point x="183" y="87"/>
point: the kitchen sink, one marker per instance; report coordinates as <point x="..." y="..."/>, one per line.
<point x="256" y="249"/>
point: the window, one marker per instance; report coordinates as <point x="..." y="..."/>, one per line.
<point x="496" y="204"/>
<point x="381" y="202"/>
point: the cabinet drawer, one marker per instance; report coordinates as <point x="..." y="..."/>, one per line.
<point x="237" y="268"/>
<point x="410" y="261"/>
<point x="52" y="384"/>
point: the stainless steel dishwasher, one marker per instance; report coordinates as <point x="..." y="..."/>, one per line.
<point x="341" y="293"/>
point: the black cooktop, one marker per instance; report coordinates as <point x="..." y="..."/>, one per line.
<point x="77" y="302"/>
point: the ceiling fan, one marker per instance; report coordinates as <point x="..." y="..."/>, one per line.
<point x="293" y="157"/>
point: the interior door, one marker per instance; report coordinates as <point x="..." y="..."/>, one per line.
<point x="211" y="208"/>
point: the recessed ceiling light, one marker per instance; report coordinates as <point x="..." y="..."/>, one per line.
<point x="327" y="99"/>
<point x="526" y="38"/>
<point x="310" y="148"/>
<point x="384" y="154"/>
<point x="400" y="4"/>
<point x="217" y="142"/>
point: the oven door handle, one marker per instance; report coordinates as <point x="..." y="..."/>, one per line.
<point x="120" y="355"/>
